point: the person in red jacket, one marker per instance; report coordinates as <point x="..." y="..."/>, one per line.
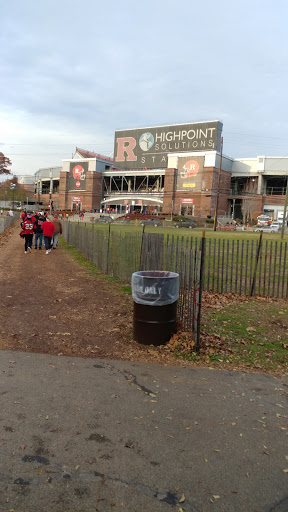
<point x="28" y="230"/>
<point x="48" y="230"/>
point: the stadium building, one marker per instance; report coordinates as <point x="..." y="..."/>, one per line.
<point x="167" y="169"/>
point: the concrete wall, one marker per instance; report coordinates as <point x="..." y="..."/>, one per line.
<point x="247" y="167"/>
<point x="101" y="166"/>
<point x="276" y="164"/>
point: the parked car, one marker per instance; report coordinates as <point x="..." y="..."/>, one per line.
<point x="276" y="225"/>
<point x="105" y="219"/>
<point x="227" y="227"/>
<point x="191" y="224"/>
<point x="151" y="222"/>
<point x="268" y="229"/>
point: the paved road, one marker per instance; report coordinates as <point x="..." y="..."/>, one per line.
<point x="98" y="435"/>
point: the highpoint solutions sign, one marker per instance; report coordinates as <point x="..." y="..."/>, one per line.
<point x="148" y="148"/>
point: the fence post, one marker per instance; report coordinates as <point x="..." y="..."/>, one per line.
<point x="198" y="288"/>
<point x="108" y="248"/>
<point x="201" y="282"/>
<point x="141" y="248"/>
<point x="252" y="290"/>
<point x="68" y="232"/>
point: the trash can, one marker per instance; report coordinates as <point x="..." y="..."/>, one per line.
<point x="155" y="294"/>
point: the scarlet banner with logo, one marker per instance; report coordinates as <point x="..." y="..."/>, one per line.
<point x="77" y="175"/>
<point x="190" y="173"/>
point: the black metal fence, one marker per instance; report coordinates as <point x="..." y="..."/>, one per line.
<point x="120" y="254"/>
<point x="232" y="266"/>
<point x="224" y="266"/>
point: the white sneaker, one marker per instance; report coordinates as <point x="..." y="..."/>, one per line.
<point x="47" y="252"/>
<point x="25" y="252"/>
<point x="29" y="249"/>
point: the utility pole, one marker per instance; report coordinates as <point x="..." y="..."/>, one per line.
<point x="12" y="187"/>
<point x="50" y="191"/>
<point x="218" y="187"/>
<point x="173" y="192"/>
<point x="285" y="211"/>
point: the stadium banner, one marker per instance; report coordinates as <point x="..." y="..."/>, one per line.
<point x="77" y="175"/>
<point x="148" y="148"/>
<point x="190" y="173"/>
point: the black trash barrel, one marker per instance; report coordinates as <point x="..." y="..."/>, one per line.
<point x="155" y="294"/>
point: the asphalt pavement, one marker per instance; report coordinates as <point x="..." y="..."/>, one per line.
<point x="98" y="435"/>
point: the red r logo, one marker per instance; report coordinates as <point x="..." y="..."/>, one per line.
<point x="125" y="146"/>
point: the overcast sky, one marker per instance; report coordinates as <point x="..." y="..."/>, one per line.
<point x="73" y="72"/>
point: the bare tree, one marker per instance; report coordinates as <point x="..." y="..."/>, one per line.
<point x="249" y="205"/>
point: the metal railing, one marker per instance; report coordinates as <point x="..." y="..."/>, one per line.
<point x="229" y="266"/>
<point x="275" y="191"/>
<point x="119" y="254"/>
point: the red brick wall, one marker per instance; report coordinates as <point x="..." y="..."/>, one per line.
<point x="90" y="198"/>
<point x="204" y="201"/>
<point x="63" y="187"/>
<point x="169" y="194"/>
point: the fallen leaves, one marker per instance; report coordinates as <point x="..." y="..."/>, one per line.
<point x="211" y="344"/>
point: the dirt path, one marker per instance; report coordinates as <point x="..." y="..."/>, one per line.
<point x="48" y="304"/>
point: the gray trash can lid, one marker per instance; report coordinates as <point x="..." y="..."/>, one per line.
<point x="155" y="287"/>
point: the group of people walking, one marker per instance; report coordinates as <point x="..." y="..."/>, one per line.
<point x="40" y="227"/>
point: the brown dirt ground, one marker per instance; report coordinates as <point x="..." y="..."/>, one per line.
<point x="50" y="304"/>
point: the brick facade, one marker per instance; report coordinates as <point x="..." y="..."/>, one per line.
<point x="169" y="191"/>
<point x="204" y="201"/>
<point x="201" y="187"/>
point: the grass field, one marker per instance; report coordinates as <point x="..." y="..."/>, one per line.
<point x="239" y="333"/>
<point x="255" y="332"/>
<point x="170" y="229"/>
<point x="230" y="259"/>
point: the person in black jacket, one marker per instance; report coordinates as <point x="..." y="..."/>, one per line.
<point x="38" y="230"/>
